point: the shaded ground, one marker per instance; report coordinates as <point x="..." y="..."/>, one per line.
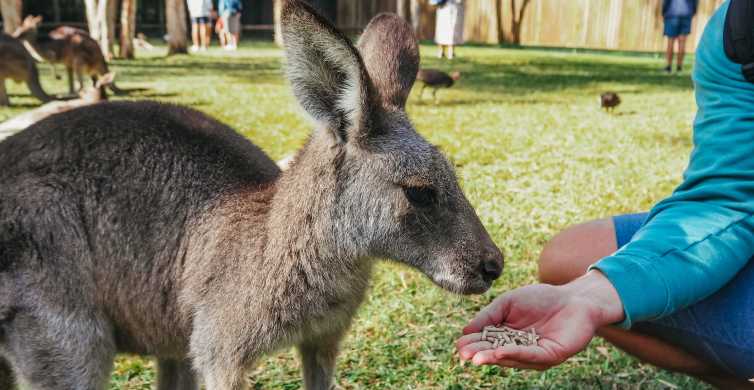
<point x="535" y="154"/>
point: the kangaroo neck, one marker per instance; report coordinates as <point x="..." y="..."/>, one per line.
<point x="302" y="232"/>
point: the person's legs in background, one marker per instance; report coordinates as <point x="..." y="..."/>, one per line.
<point x="233" y="30"/>
<point x="672" y="30"/>
<point x="451" y="52"/>
<point x="194" y="34"/>
<point x="440" y="51"/>
<point x="681" y="52"/>
<point x="669" y="55"/>
<point x="568" y="255"/>
<point x="205" y="34"/>
<point x="684" y="29"/>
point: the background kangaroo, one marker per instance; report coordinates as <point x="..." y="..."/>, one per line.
<point x="18" y="65"/>
<point x="89" y="95"/>
<point x="153" y="229"/>
<point x="72" y="47"/>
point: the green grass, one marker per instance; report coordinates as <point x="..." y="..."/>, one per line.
<point x="534" y="154"/>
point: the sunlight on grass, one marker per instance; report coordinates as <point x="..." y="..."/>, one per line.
<point x="534" y="153"/>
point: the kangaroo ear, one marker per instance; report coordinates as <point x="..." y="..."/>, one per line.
<point x="391" y="56"/>
<point x="325" y="71"/>
<point x="106" y="79"/>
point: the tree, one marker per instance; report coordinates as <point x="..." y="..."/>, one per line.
<point x="11" y="10"/>
<point x="127" y="28"/>
<point x="103" y="19"/>
<point x="91" y="18"/>
<point x="516" y="19"/>
<point x="277" y="8"/>
<point x="175" y="14"/>
<point x="402" y="9"/>
<point x="416" y="15"/>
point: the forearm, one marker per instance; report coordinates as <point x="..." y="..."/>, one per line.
<point x="595" y="292"/>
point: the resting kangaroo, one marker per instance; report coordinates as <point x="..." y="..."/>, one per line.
<point x="18" y="65"/>
<point x="72" y="47"/>
<point x="153" y="229"/>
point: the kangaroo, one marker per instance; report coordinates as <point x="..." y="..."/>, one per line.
<point x="70" y="46"/>
<point x="18" y="65"/>
<point x="90" y="95"/>
<point x="153" y="229"/>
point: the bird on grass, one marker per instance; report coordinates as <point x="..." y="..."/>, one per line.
<point x="609" y="100"/>
<point x="436" y="79"/>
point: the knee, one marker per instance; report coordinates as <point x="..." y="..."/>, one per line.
<point x="553" y="263"/>
<point x="569" y="253"/>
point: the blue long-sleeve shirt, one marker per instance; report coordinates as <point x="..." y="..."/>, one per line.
<point x="696" y="240"/>
<point x="229" y="6"/>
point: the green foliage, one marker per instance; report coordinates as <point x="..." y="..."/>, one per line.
<point x="534" y="153"/>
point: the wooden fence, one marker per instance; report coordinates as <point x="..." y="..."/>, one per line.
<point x="634" y="25"/>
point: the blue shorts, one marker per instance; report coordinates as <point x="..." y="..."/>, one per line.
<point x="719" y="329"/>
<point x="677" y="25"/>
<point x="200" y="20"/>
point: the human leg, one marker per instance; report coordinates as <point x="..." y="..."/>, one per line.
<point x="681" y="52"/>
<point x="669" y="55"/>
<point x="203" y="36"/>
<point x="194" y="35"/>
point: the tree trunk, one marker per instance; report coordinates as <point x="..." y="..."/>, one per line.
<point x="416" y="16"/>
<point x="277" y="7"/>
<point x="110" y="24"/>
<point x="175" y="11"/>
<point x="91" y="18"/>
<point x="517" y="20"/>
<point x="11" y="10"/>
<point x="105" y="19"/>
<point x="127" y="28"/>
<point x="403" y="9"/>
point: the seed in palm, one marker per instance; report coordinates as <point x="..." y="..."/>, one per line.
<point x="502" y="335"/>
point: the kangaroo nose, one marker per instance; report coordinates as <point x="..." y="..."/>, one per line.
<point x="492" y="266"/>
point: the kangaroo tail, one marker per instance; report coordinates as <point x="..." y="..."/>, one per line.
<point x="34" y="86"/>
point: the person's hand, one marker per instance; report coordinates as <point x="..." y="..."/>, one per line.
<point x="565" y="317"/>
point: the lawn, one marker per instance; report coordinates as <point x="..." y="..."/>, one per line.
<point x="534" y="153"/>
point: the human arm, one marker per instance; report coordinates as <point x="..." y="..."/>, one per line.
<point x="697" y="239"/>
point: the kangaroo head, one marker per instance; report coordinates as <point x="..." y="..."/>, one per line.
<point x="28" y="28"/>
<point x="381" y="189"/>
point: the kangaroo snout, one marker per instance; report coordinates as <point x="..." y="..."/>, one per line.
<point x="491" y="265"/>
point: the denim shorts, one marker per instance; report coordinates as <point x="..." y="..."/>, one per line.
<point x="677" y="25"/>
<point x="200" y="20"/>
<point x="718" y="329"/>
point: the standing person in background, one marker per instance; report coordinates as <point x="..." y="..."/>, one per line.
<point x="220" y="29"/>
<point x="200" y="23"/>
<point x="230" y="12"/>
<point x="449" y="27"/>
<point x="677" y="15"/>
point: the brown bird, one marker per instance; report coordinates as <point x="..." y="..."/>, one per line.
<point x="609" y="100"/>
<point x="435" y="79"/>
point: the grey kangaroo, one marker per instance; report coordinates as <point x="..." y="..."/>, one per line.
<point x="17" y="64"/>
<point x="153" y="229"/>
<point x="72" y="47"/>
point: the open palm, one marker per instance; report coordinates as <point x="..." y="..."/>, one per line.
<point x="565" y="322"/>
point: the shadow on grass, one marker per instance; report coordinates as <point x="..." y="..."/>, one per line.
<point x="491" y="79"/>
<point x="545" y="74"/>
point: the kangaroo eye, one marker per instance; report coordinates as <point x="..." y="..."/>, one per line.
<point x="420" y="196"/>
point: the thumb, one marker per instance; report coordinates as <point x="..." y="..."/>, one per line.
<point x="493" y="314"/>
